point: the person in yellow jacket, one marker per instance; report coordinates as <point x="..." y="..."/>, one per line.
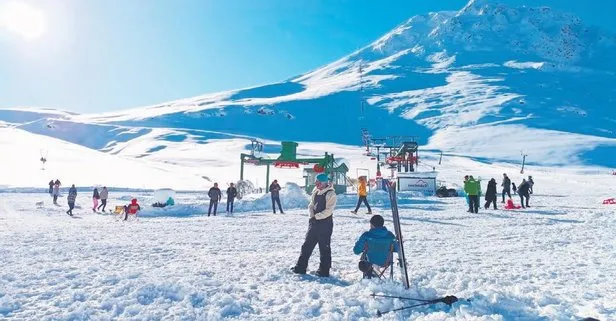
<point x="362" y="191"/>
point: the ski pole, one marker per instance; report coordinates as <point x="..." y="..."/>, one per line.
<point x="449" y="300"/>
<point x="398" y="297"/>
<point x="380" y="313"/>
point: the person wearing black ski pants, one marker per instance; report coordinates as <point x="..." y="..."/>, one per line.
<point x="215" y="195"/>
<point x="274" y="190"/>
<point x="473" y="203"/>
<point x="506" y="184"/>
<point x="491" y="194"/>
<point x="320" y="228"/>
<point x="231" y="194"/>
<point x="523" y="191"/>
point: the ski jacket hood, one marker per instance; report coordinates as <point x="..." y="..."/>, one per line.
<point x="133" y="201"/>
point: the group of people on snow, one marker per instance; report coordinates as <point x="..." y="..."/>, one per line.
<point x="215" y="195"/>
<point x="472" y="188"/>
<point x="54" y="190"/>
<point x="102" y="197"/>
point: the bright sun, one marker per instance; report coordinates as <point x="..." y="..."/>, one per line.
<point x="22" y="19"/>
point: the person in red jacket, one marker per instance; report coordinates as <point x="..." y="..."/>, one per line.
<point x="133" y="208"/>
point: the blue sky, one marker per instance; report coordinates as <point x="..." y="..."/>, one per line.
<point x="101" y="55"/>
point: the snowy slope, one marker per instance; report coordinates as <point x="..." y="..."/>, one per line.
<point x="553" y="261"/>
<point x="74" y="164"/>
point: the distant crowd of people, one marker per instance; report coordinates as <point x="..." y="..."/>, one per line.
<point x="472" y="188"/>
<point x="99" y="199"/>
<point x="215" y="195"/>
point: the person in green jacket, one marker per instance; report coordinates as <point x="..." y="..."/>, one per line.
<point x="471" y="188"/>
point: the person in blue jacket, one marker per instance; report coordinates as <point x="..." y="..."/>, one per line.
<point x="377" y="245"/>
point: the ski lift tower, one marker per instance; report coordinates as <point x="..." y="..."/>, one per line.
<point x="378" y="143"/>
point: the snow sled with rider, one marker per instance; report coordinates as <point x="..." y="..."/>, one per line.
<point x="124" y="211"/>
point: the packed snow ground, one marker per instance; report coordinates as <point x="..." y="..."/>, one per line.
<point x="551" y="262"/>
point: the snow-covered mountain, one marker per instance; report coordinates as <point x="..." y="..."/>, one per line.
<point x="488" y="81"/>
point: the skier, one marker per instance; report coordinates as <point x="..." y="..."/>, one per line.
<point x="72" y="196"/>
<point x="231" y="194"/>
<point x="379" y="238"/>
<point x="95" y="197"/>
<point x="515" y="189"/>
<point x="51" y="184"/>
<point x="104" y="195"/>
<point x="471" y="187"/>
<point x="215" y="196"/>
<point x="320" y="227"/>
<point x="506" y="184"/>
<point x="132" y="209"/>
<point x="274" y="189"/>
<point x="362" y="191"/>
<point x="523" y="192"/>
<point x="56" y="193"/>
<point x="491" y="194"/>
<point x="531" y="183"/>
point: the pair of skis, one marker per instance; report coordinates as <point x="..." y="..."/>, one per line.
<point x="448" y="300"/>
<point x="393" y="197"/>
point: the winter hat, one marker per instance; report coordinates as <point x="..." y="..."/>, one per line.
<point x="323" y="178"/>
<point x="377" y="221"/>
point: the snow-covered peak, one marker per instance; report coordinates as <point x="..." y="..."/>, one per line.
<point x="487" y="26"/>
<point x="476" y="6"/>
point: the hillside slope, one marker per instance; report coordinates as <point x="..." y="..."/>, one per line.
<point x="488" y="81"/>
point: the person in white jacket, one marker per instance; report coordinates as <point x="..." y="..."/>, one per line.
<point x="103" y="195"/>
<point x="320" y="227"/>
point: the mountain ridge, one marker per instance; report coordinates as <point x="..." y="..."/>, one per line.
<point x="531" y="71"/>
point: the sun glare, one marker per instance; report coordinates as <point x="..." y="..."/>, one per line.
<point x="22" y="19"/>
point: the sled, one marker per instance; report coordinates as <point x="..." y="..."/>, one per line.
<point x="118" y="210"/>
<point x="511" y="206"/>
<point x="609" y="201"/>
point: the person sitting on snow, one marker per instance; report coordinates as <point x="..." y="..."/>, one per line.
<point x="376" y="247"/>
<point x="133" y="208"/>
<point x="511" y="206"/>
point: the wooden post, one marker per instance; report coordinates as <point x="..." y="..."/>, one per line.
<point x="523" y="163"/>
